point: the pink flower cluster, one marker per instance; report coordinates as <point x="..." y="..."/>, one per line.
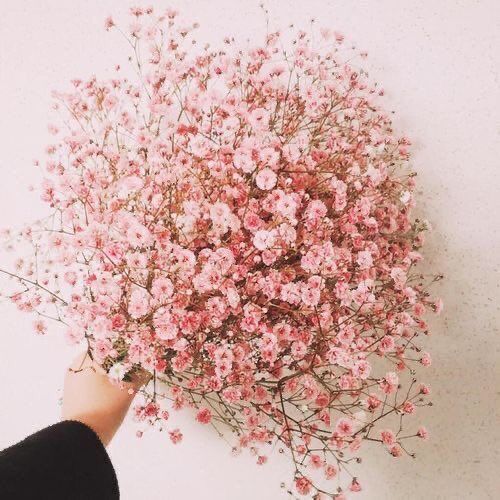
<point x="238" y="223"/>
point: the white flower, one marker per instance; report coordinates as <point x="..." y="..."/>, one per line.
<point x="263" y="239"/>
<point x="118" y="371"/>
<point x="186" y="223"/>
<point x="374" y="174"/>
<point x="427" y="225"/>
<point x="405" y="197"/>
<point x="221" y="217"/>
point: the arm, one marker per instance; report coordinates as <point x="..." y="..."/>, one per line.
<point x="69" y="459"/>
<point x="91" y="398"/>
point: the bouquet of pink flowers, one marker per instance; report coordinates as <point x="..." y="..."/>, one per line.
<point x="238" y="223"/>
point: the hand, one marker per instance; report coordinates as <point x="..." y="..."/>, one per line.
<point x="92" y="398"/>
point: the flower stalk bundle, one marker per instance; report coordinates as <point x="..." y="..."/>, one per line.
<point x="238" y="223"/>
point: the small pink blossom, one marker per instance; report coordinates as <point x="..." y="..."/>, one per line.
<point x="408" y="407"/>
<point x="330" y="471"/>
<point x="40" y="327"/>
<point x="423" y="432"/>
<point x="204" y="416"/>
<point x="364" y="260"/>
<point x="344" y="427"/>
<point x="266" y="179"/>
<point x="355" y="486"/>
<point x="396" y="451"/>
<point x="388" y="437"/>
<point x="303" y="485"/>
<point x="263" y="239"/>
<point x="109" y="23"/>
<point x="426" y="359"/>
<point x="175" y="436"/>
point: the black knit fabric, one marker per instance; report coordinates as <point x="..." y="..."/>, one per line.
<point x="65" y="461"/>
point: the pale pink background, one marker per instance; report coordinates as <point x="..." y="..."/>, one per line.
<point x="439" y="63"/>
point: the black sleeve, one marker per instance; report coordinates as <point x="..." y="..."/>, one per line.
<point x="65" y="461"/>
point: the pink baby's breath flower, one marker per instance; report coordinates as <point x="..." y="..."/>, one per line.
<point x="136" y="11"/>
<point x="426" y="359"/>
<point x="339" y="37"/>
<point x="263" y="239"/>
<point x="389" y="383"/>
<point x="204" y="416"/>
<point x="355" y="486"/>
<point x="423" y="432"/>
<point x="344" y="427"/>
<point x="109" y="23"/>
<point x="316" y="210"/>
<point x="362" y="369"/>
<point x="387" y="344"/>
<point x="266" y="179"/>
<point x="162" y="288"/>
<point x="364" y="259"/>
<point x="303" y="485"/>
<point x="316" y="461"/>
<point x="175" y="436"/>
<point x="40" y="326"/>
<point x="135" y="29"/>
<point x="396" y="451"/>
<point x="399" y="277"/>
<point x="408" y="407"/>
<point x="330" y="471"/>
<point x="299" y="350"/>
<point x="388" y="437"/>
<point x="138" y="236"/>
<point x="138" y="305"/>
<point x="239" y="224"/>
<point x="424" y="389"/>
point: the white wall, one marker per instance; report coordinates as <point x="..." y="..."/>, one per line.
<point x="439" y="63"/>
